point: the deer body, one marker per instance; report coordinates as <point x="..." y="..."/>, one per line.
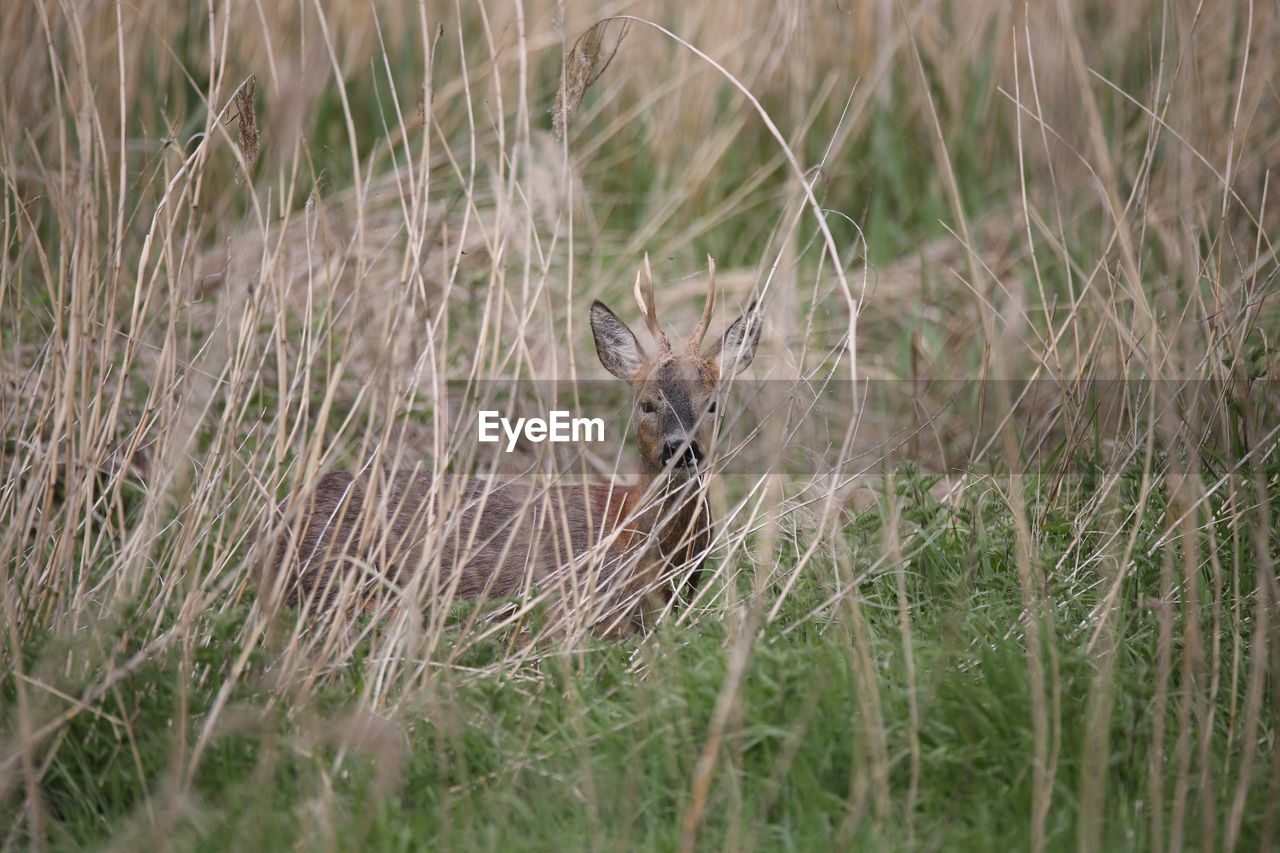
<point x="619" y="548"/>
<point x="502" y="537"/>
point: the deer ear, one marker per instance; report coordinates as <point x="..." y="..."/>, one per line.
<point x="738" y="346"/>
<point x="616" y="345"/>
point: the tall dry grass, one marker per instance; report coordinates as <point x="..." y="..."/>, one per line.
<point x="250" y="242"/>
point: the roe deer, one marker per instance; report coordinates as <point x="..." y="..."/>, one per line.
<point x="618" y="552"/>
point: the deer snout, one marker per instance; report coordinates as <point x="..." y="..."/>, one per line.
<point x="685" y="452"/>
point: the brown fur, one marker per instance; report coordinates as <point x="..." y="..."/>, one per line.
<point x="495" y="540"/>
<point x="478" y="538"/>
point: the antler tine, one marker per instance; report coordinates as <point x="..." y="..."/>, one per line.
<point x="644" y="298"/>
<point x="695" y="339"/>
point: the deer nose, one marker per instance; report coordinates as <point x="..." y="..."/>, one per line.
<point x="685" y="453"/>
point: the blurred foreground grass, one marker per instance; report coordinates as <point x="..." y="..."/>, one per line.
<point x="594" y="748"/>
<point x="963" y="648"/>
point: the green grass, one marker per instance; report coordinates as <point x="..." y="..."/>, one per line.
<point x="595" y="749"/>
<point x="142" y="593"/>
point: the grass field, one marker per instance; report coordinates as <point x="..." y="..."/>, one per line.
<point x="249" y="242"/>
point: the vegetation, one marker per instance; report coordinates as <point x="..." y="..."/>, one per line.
<point x="1030" y="602"/>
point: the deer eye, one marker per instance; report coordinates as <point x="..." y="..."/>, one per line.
<point x="647" y="407"/>
<point x="711" y="409"/>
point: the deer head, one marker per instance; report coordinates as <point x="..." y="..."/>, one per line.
<point x="675" y="394"/>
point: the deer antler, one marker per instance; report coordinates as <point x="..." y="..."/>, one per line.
<point x="644" y="298"/>
<point x="695" y="339"/>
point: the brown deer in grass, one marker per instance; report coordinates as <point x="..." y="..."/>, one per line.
<point x="620" y="552"/>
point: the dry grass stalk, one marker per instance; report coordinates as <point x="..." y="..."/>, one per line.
<point x="586" y="61"/>
<point x="172" y="367"/>
<point x="247" y="121"/>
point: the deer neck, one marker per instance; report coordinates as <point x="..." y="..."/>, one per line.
<point x="679" y="518"/>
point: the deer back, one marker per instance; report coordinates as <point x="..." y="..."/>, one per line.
<point x="478" y="537"/>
